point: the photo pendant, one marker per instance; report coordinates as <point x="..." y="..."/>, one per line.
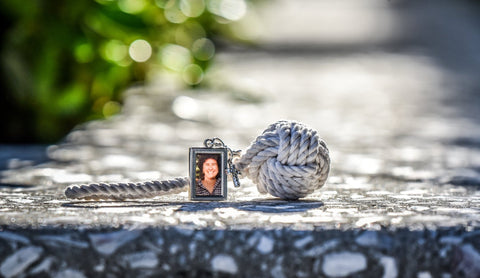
<point x="208" y="174"/>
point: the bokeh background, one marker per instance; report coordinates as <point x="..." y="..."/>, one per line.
<point x="65" y="63"/>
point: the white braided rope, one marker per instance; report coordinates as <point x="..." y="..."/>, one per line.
<point x="121" y="191"/>
<point x="288" y="160"/>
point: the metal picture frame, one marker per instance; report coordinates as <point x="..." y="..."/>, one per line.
<point x="197" y="190"/>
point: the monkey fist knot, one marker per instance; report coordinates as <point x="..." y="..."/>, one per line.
<point x="288" y="160"/>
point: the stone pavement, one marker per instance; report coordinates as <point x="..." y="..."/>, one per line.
<point x="402" y="200"/>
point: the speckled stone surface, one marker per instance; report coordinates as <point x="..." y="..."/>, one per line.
<point x="402" y="200"/>
<point x="184" y="252"/>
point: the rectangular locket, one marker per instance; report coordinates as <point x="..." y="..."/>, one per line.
<point x="208" y="174"/>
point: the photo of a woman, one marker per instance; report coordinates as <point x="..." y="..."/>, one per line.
<point x="209" y="182"/>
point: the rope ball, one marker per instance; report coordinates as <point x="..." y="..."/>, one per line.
<point x="288" y="160"/>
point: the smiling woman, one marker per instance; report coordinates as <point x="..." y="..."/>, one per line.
<point x="209" y="182"/>
<point x="207" y="172"/>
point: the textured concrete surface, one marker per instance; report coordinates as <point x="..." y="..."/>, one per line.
<point x="179" y="252"/>
<point x="402" y="200"/>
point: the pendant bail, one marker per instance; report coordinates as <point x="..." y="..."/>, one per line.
<point x="232" y="170"/>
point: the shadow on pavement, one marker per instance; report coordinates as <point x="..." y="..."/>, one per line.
<point x="14" y="185"/>
<point x="267" y="206"/>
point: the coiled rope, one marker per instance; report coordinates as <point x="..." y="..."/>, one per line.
<point x="288" y="160"/>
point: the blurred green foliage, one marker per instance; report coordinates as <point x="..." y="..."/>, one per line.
<point x="66" y="62"/>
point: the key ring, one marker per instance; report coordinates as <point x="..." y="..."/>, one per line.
<point x="288" y="160"/>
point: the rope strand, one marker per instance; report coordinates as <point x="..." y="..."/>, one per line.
<point x="121" y="191"/>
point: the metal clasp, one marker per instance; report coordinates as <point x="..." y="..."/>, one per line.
<point x="232" y="170"/>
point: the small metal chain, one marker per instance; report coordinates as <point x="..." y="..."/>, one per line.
<point x="232" y="170"/>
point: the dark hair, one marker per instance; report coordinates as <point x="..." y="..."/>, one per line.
<point x="203" y="157"/>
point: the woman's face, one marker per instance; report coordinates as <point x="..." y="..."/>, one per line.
<point x="210" y="168"/>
